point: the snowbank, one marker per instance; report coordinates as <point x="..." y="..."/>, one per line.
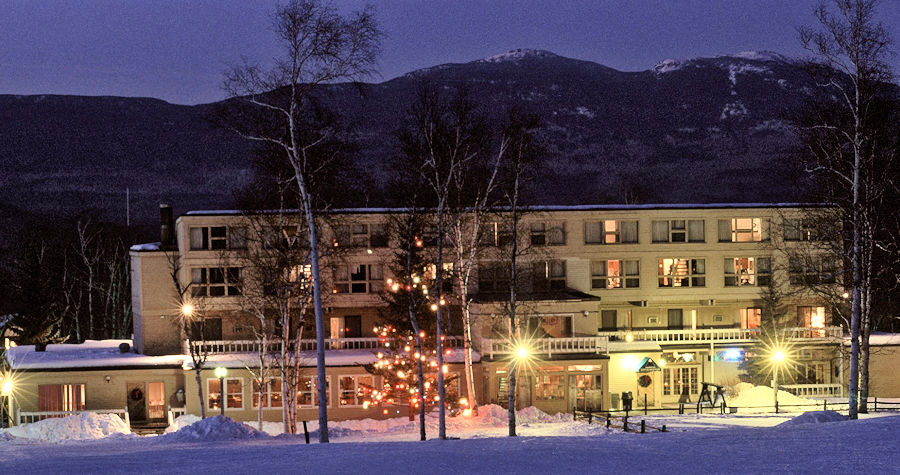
<point x="214" y="429"/>
<point x="82" y="426"/>
<point x="815" y="417"/>
<point x="181" y="422"/>
<point x="749" y="397"/>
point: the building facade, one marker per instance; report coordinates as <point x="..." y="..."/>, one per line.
<point x="651" y="300"/>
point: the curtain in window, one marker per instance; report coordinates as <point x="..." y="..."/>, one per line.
<point x="724" y="230"/>
<point x="696" y="230"/>
<point x="197" y="238"/>
<point x="629" y="231"/>
<point x="660" y="231"/>
<point x="632" y="268"/>
<point x="50" y="397"/>
<point x="593" y="233"/>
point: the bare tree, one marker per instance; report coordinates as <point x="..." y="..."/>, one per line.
<point x="851" y="48"/>
<point x="320" y="46"/>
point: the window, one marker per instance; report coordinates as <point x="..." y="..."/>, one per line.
<point x="548" y="234"/>
<point x="358" y="279"/>
<point x="218" y="238"/>
<point x="307" y="392"/>
<point x="741" y="230"/>
<point x="354" y="389"/>
<point x="215" y="281"/>
<point x="679" y="230"/>
<point x="611" y="232"/>
<point x="740" y="271"/>
<point x="496" y="234"/>
<point x="615" y="274"/>
<point x="271" y="396"/>
<point x="360" y="235"/>
<point x="493" y="277"/>
<point x="682" y="272"/>
<point x="812" y="270"/>
<point x="61" y="397"/>
<point x="549" y="387"/>
<point x="349" y="326"/>
<point x="812" y="317"/>
<point x="550" y="326"/>
<point x="800" y="230"/>
<point x="234" y="393"/>
<point x="676" y="379"/>
<point x="549" y="275"/>
<point x="206" y="329"/>
<point x="751" y="317"/>
<point x="811" y="373"/>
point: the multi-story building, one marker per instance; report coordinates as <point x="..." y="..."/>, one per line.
<point x="648" y="299"/>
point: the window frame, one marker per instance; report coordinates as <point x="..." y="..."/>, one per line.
<point x="314" y="391"/>
<point x="672" y="231"/>
<point x="692" y="277"/>
<point x="550" y="233"/>
<point x="230" y="282"/>
<point x="548" y="278"/>
<point x="607" y="236"/>
<point x="255" y="393"/>
<point x="357" y="397"/>
<point x="224" y="397"/>
<point x="370" y="285"/>
<point x="755" y="275"/>
<point x="233" y="238"/>
<point x="623" y="276"/>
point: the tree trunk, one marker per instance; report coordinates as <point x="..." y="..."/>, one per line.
<point x="513" y="319"/>
<point x="200" y="392"/>
<point x="439" y="275"/>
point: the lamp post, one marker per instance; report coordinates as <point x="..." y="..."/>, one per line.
<point x="777" y="360"/>
<point x="6" y="389"/>
<point x="221" y="372"/>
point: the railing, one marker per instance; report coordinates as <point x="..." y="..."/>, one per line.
<point x="719" y="335"/>
<point x="549" y="346"/>
<point x="814" y="390"/>
<point x="175" y="413"/>
<point x="213" y="347"/>
<point x="28" y="417"/>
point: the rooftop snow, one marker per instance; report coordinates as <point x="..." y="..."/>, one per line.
<point x="587" y="207"/>
<point x="150" y="246"/>
<point x="90" y="354"/>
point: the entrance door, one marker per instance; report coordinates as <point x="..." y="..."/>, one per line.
<point x="645" y="386"/>
<point x="676" y="319"/>
<point x="136" y="401"/>
<point x="156" y="400"/>
<point x="608" y="320"/>
<point x="585" y="392"/>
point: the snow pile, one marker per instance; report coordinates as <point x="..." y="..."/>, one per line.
<point x="181" y="422"/>
<point x="669" y="65"/>
<point x="749" y="396"/>
<point x="215" y="429"/>
<point x="815" y="417"/>
<point x="81" y="426"/>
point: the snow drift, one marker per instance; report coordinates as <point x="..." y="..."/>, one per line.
<point x="214" y="429"/>
<point x="750" y="398"/>
<point x="81" y="426"/>
<point x="815" y="417"/>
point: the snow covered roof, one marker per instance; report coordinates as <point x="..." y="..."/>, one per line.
<point x="90" y="354"/>
<point x="634" y="346"/>
<point x="585" y="207"/>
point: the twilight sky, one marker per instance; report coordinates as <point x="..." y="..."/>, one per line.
<point x="177" y="50"/>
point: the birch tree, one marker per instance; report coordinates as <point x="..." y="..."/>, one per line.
<point x="320" y="46"/>
<point x="851" y="48"/>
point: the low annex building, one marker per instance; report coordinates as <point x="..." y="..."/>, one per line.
<point x="651" y="300"/>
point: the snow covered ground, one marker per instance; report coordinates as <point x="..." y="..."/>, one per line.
<point x="751" y="443"/>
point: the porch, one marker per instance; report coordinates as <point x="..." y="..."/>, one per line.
<point x="725" y="335"/>
<point x="219" y="347"/>
<point x="549" y="346"/>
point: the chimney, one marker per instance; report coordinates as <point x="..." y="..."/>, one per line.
<point x="166" y="227"/>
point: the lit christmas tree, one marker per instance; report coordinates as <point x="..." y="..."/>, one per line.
<point x="397" y="365"/>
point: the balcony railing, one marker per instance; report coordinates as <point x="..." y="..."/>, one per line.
<point x="217" y="347"/>
<point x="28" y="417"/>
<point x="714" y="335"/>
<point x="550" y="346"/>
<point x="814" y="390"/>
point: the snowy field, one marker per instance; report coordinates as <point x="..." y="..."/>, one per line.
<point x="752" y="443"/>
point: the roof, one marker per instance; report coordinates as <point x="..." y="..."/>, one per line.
<point x="308" y="358"/>
<point x="584" y="207"/>
<point x="567" y="295"/>
<point x="90" y="354"/>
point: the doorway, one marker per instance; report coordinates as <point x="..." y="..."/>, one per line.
<point x="676" y="319"/>
<point x="136" y="401"/>
<point x="646" y="383"/>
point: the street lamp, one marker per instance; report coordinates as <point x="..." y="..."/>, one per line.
<point x="187" y="310"/>
<point x="221" y="372"/>
<point x="777" y="359"/>
<point x="6" y="389"/>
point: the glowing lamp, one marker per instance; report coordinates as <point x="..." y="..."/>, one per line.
<point x="629" y="337"/>
<point x="467" y="412"/>
<point x="661" y="363"/>
<point x="522" y="352"/>
<point x="778" y="356"/>
<point x="368" y="251"/>
<point x="187" y="310"/>
<point x="846" y="295"/>
<point x="434" y="307"/>
<point x="221" y="372"/>
<point x="7" y="387"/>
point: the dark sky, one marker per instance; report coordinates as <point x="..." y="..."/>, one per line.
<point x="177" y="50"/>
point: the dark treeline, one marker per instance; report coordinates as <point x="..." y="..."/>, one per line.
<point x="66" y="279"/>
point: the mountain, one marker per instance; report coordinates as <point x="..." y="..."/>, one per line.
<point x="693" y="130"/>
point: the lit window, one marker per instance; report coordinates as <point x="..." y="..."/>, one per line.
<point x="615" y="274"/>
<point x="741" y="230"/>
<point x="271" y="397"/>
<point x="358" y="279"/>
<point x="549" y="387"/>
<point x="308" y="394"/>
<point x="682" y="272"/>
<point x="740" y="271"/>
<point x="611" y="232"/>
<point x="751" y="317"/>
<point x="354" y="389"/>
<point x="678" y="379"/>
<point x="234" y="393"/>
<point x="812" y="317"/>
<point x="61" y="397"/>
